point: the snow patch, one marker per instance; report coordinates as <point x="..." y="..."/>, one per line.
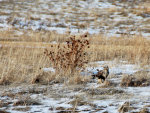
<point x="50" y="69"/>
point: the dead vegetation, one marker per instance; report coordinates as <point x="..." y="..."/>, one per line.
<point x="4" y="104"/>
<point x="23" y="61"/>
<point x="140" y="78"/>
<point x="26" y="101"/>
<point x="70" y="57"/>
<point x="78" y="79"/>
<point x="126" y="107"/>
<point x="134" y="49"/>
<point x="19" y="64"/>
<point x="78" y="102"/>
<point x="13" y="34"/>
<point x="45" y="78"/>
<point x="22" y="109"/>
<point x="64" y="110"/>
<point x="108" y="84"/>
<point x="68" y="60"/>
<point x="5" y="80"/>
<point x="99" y="91"/>
<point x="144" y="110"/>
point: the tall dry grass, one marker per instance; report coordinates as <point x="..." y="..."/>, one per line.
<point x="20" y="64"/>
<point x="135" y="49"/>
<point x="23" y="61"/>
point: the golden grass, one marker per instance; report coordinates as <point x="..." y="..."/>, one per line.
<point x="20" y="64"/>
<point x="134" y="49"/>
<point x="31" y="36"/>
<point x="21" y="61"/>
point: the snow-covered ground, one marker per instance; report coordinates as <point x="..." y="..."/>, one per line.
<point x="82" y="98"/>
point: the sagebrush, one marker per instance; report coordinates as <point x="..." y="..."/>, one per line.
<point x="69" y="57"/>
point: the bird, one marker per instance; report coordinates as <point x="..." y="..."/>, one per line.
<point x="101" y="74"/>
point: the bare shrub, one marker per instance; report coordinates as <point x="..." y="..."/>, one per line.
<point x="135" y="80"/>
<point x="70" y="57"/>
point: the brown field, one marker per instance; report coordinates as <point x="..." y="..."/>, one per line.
<point x="50" y="48"/>
<point x="23" y="59"/>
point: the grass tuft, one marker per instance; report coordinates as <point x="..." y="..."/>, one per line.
<point x="138" y="79"/>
